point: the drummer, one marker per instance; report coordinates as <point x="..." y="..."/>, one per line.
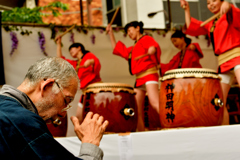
<point x="145" y="68"/>
<point x="224" y="32"/>
<point x="87" y="66"/>
<point x="189" y="55"/>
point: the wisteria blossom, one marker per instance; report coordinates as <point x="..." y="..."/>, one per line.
<point x="41" y="40"/>
<point x="72" y="38"/>
<point x="93" y="37"/>
<point x="14" y="42"/>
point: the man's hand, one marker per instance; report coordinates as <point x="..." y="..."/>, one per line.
<point x="92" y="128"/>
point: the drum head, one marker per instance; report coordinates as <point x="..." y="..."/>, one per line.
<point x="190" y="72"/>
<point x="109" y="87"/>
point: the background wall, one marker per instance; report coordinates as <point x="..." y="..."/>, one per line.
<point x="114" y="68"/>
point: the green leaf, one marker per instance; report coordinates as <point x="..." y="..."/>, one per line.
<point x="34" y="15"/>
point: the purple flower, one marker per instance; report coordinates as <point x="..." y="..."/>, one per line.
<point x="41" y="40"/>
<point x="93" y="37"/>
<point x="72" y="37"/>
<point x="14" y="42"/>
<point x="101" y="31"/>
<point x="117" y="29"/>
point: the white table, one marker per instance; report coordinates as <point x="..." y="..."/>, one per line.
<point x="203" y="143"/>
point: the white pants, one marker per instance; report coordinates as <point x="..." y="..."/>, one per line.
<point x="143" y="87"/>
<point x="229" y="77"/>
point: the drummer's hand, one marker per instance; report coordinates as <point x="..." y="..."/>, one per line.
<point x="151" y="50"/>
<point x="184" y="4"/>
<point x="92" y="128"/>
<point x="192" y="47"/>
<point x="225" y="7"/>
<point x="109" y="28"/>
<point x="88" y="63"/>
<point x="58" y="40"/>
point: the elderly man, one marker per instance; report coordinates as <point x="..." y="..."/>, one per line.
<point x="44" y="96"/>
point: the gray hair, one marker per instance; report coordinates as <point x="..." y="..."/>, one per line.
<point x="52" y="67"/>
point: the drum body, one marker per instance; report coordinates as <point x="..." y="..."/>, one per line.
<point x="115" y="102"/>
<point x="59" y="130"/>
<point x="190" y="97"/>
<point x="151" y="117"/>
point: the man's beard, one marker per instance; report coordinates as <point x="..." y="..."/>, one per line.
<point x="43" y="106"/>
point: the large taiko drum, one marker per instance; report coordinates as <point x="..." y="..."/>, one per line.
<point x="115" y="102"/>
<point x="151" y="117"/>
<point x="59" y="130"/>
<point x="190" y="97"/>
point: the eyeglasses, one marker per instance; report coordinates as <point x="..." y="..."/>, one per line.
<point x="65" y="100"/>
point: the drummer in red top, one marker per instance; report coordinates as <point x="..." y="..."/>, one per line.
<point x="87" y="66"/>
<point x="189" y="55"/>
<point x="224" y="32"/>
<point x="145" y="68"/>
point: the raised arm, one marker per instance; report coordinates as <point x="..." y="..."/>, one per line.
<point x="111" y="35"/>
<point x="59" y="46"/>
<point x="184" y="4"/>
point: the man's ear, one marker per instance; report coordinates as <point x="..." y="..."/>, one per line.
<point x="45" y="84"/>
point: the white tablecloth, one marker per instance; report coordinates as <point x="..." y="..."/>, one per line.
<point x="205" y="143"/>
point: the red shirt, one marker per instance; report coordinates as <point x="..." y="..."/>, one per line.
<point x="140" y="48"/>
<point x="90" y="74"/>
<point x="226" y="34"/>
<point x="142" y="64"/>
<point x="190" y="60"/>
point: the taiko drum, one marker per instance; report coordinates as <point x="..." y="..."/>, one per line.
<point x="115" y="102"/>
<point x="190" y="97"/>
<point x="151" y="117"/>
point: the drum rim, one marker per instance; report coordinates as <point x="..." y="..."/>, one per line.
<point x="190" y="72"/>
<point x="109" y="83"/>
<point x="110" y="86"/>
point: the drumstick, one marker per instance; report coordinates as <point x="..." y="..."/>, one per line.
<point x="139" y="57"/>
<point x="210" y="19"/>
<point x="114" y="16"/>
<point x="68" y="30"/>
